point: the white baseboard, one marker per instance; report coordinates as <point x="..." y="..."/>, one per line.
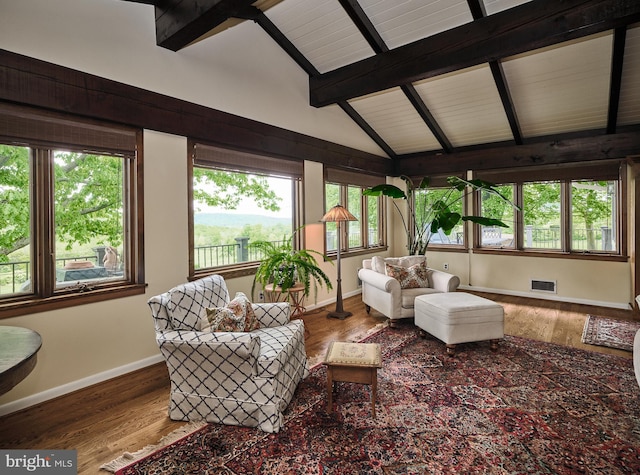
<point x="332" y="301"/>
<point x="543" y="296"/>
<point x="58" y="391"/>
<point x="128" y="368"/>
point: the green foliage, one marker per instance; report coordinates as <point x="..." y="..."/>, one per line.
<point x="284" y="266"/>
<point x="14" y="199"/>
<point x="89" y="198"/>
<point x="426" y="217"/>
<point x="223" y="189"/>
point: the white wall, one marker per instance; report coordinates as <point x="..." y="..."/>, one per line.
<point x="241" y="70"/>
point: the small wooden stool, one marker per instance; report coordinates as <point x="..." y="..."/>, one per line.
<point x="353" y="363"/>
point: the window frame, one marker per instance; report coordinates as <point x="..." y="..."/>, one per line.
<point x="603" y="170"/>
<point x="44" y="132"/>
<point x="344" y="180"/>
<point x="439" y="182"/>
<point x="205" y="155"/>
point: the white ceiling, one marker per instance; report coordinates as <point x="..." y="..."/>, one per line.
<point x="556" y="90"/>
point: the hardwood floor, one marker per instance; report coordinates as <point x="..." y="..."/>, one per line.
<point x="129" y="412"/>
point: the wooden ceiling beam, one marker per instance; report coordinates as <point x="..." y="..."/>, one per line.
<point x="294" y="53"/>
<point x="478" y="11"/>
<point x="549" y="151"/>
<point x="368" y="30"/>
<point x="38" y="83"/>
<point x="180" y="22"/>
<point x="527" y="27"/>
<point x="617" y="61"/>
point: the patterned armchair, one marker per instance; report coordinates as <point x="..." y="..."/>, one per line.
<point x="233" y="378"/>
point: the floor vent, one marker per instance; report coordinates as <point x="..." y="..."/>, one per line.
<point x="543" y="285"/>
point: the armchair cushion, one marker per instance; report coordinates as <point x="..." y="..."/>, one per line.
<point x="413" y="277"/>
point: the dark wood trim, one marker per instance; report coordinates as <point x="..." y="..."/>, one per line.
<point x="38" y="83"/>
<point x="549" y="152"/>
<point x="530" y="26"/>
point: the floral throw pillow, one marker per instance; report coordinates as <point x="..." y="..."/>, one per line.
<point x="223" y="319"/>
<point x="251" y="321"/>
<point x="237" y="316"/>
<point x="413" y="277"/>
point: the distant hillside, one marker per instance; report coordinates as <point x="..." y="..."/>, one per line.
<point x="237" y="220"/>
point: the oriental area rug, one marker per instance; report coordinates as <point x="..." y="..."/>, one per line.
<point x="604" y="331"/>
<point x="531" y="407"/>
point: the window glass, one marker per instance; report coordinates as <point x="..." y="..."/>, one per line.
<point x="15" y="221"/>
<point x="542" y="215"/>
<point x="233" y="209"/>
<point x="426" y="201"/>
<point x="373" y="221"/>
<point x="494" y="207"/>
<point x="331" y="198"/>
<point x="354" y="205"/>
<point x="89" y="218"/>
<point x="367" y="231"/>
<point x="593" y="215"/>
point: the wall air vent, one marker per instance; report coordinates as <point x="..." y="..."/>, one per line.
<point x="543" y="285"/>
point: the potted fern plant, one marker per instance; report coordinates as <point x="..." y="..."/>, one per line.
<point x="285" y="267"/>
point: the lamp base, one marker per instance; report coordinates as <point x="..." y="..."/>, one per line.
<point x="340" y="315"/>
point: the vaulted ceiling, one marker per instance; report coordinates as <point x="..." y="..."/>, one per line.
<point x="429" y="80"/>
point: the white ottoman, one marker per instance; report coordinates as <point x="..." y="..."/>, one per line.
<point x="458" y="317"/>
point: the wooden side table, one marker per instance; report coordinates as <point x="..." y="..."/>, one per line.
<point x="353" y="363"/>
<point x="294" y="295"/>
<point x="18" y="355"/>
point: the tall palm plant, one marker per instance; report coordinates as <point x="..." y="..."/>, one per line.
<point x="425" y="218"/>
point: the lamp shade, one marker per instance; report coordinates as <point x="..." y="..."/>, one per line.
<point x="338" y="213"/>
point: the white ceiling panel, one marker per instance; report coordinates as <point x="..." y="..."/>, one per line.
<point x="564" y="88"/>
<point x="403" y="22"/>
<point x="321" y="31"/>
<point x="495" y="6"/>
<point x="394" y="118"/>
<point x="467" y="106"/>
<point x="629" y="111"/>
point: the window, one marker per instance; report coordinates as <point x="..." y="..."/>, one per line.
<point x="428" y="199"/>
<point x="576" y="209"/>
<point x="239" y="198"/>
<point x="68" y="188"/>
<point x="345" y="188"/>
<point x="494" y="207"/>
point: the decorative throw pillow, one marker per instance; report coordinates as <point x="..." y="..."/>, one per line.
<point x="413" y="277"/>
<point x="223" y="319"/>
<point x="237" y="316"/>
<point x="251" y="321"/>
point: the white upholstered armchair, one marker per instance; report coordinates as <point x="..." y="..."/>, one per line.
<point x="230" y="377"/>
<point x="393" y="296"/>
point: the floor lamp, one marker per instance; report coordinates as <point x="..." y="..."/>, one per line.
<point x="338" y="214"/>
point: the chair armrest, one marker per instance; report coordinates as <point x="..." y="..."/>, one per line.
<point x="272" y="314"/>
<point x="206" y="351"/>
<point x="379" y="281"/>
<point x="443" y="281"/>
